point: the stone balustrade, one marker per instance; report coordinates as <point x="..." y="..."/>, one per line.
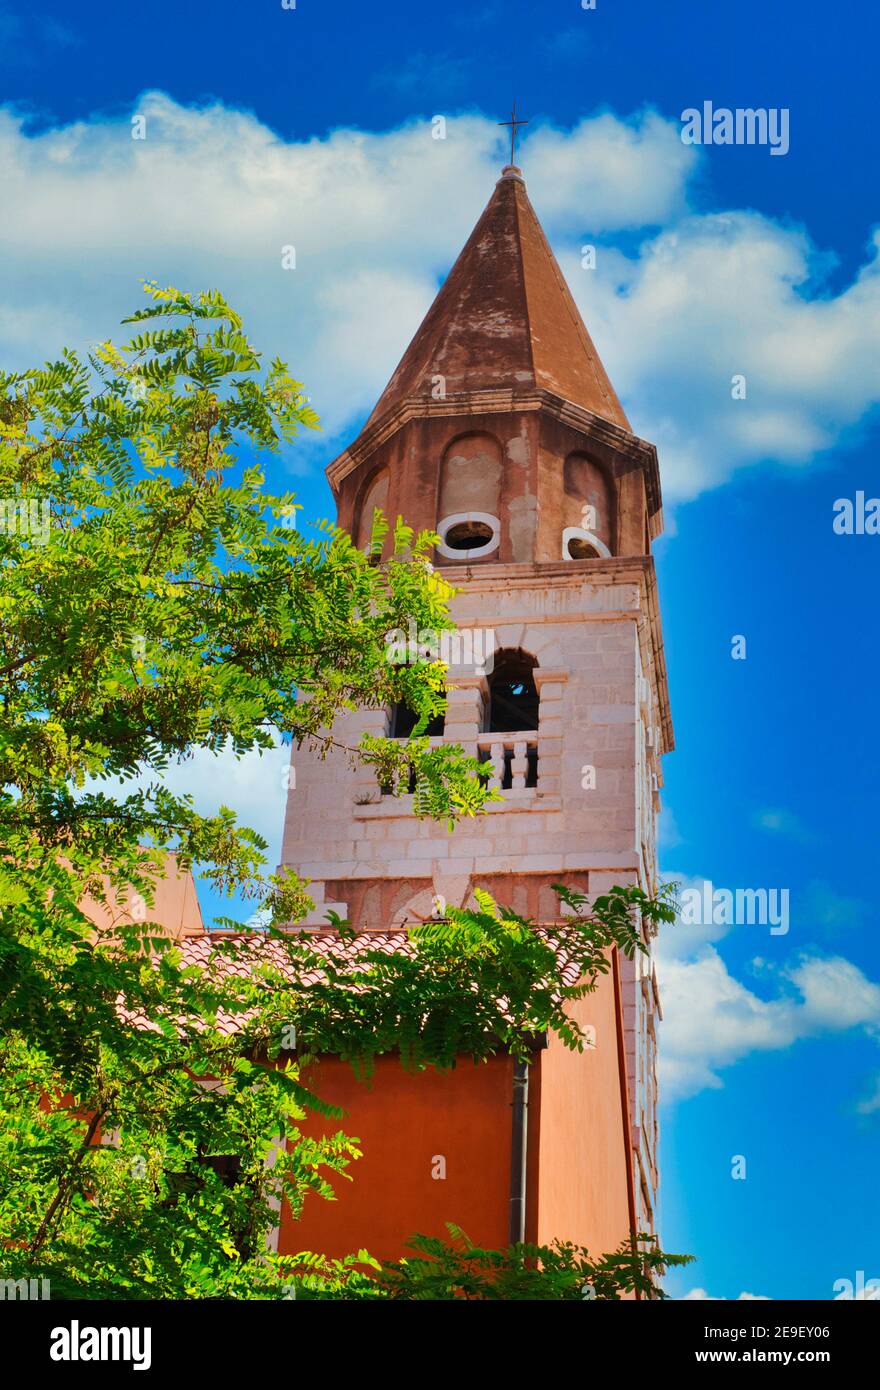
<point x="513" y="759"/>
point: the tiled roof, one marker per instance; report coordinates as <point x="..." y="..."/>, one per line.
<point x="242" y="951"/>
<point x="226" y="954"/>
<point x="505" y="318"/>
<point x="256" y="949"/>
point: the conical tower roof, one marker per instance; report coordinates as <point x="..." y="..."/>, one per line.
<point x="505" y="318"/>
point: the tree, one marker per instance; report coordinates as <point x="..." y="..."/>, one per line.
<point x="157" y="600"/>
<point x="458" y="1269"/>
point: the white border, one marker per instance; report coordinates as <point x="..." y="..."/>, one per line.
<point x="479" y="550"/>
<point x="572" y="533"/>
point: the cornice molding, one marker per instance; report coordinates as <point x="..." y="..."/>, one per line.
<point x="632" y="451"/>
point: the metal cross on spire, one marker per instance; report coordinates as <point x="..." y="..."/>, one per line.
<point x="514" y="127"/>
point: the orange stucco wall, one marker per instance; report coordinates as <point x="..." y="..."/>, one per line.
<point x="577" y="1156"/>
<point x="404" y="1121"/>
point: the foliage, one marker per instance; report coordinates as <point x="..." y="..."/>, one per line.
<point x="480" y="980"/>
<point x="458" y="1269"/>
<point x="144" y="1213"/>
<point x="169" y="607"/>
<point x="171" y="603"/>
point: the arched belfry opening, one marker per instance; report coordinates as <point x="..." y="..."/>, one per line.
<point x="403" y="720"/>
<point x="511" y="716"/>
<point x="513" y="695"/>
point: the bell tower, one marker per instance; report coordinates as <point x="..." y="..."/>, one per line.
<point x="501" y="431"/>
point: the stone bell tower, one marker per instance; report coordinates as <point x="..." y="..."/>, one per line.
<point x="501" y="431"/>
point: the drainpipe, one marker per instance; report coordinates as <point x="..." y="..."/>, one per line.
<point x="628" y="1152"/>
<point x="519" y="1136"/>
<point x="624" y="1094"/>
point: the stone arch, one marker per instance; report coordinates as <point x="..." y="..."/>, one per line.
<point x="588" y="503"/>
<point x="533" y="638"/>
<point x="373" y="494"/>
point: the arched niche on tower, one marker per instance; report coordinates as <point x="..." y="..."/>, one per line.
<point x="588" y="507"/>
<point x="468" y="505"/>
<point x="373" y="494"/>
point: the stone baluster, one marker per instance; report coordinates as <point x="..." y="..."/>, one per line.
<point x="496" y="760"/>
<point x="465" y="700"/>
<point x="519" y="765"/>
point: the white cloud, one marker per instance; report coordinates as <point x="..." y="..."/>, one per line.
<point x="607" y="174"/>
<point x="252" y="785"/>
<point x="685" y="940"/>
<point x="212" y="195"/>
<point x="735" y="294"/>
<point x="777" y="821"/>
<point x="711" y="1020"/>
<point x="702" y="1295"/>
<point x="835" y="993"/>
<point x="870" y="1103"/>
<point x="668" y="834"/>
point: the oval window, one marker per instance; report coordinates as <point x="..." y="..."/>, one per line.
<point x="578" y="544"/>
<point x="468" y="535"/>
<point x="579" y="549"/>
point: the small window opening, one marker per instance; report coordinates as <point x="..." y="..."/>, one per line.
<point x="513" y="696"/>
<point x="468" y="535"/>
<point x="579" y="549"/>
<point x="404" y="720"/>
<point x="401" y="724"/>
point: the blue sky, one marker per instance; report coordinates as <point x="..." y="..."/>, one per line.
<point x="312" y="127"/>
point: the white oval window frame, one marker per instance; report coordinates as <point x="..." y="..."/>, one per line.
<point x="478" y="551"/>
<point x="577" y="533"/>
